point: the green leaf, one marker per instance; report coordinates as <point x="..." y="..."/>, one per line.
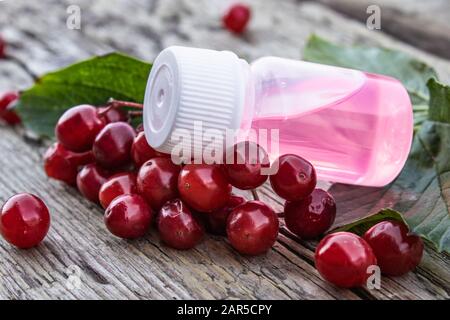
<point x="411" y="72"/>
<point x="362" y="225"/>
<point x="93" y="81"/>
<point x="422" y="191"/>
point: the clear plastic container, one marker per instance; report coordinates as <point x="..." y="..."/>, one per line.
<point x="355" y="127"/>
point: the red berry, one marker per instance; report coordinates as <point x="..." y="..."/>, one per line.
<point x="343" y="258"/>
<point x="119" y="184"/>
<point x="237" y="17"/>
<point x="312" y="216"/>
<point x="177" y="226"/>
<point x="252" y="228"/>
<point x="24" y="220"/>
<point x="295" y="178"/>
<point x="77" y="128"/>
<point x="112" y="115"/>
<point x="141" y="150"/>
<point x="157" y="181"/>
<point x="216" y="221"/>
<point x="6" y="113"/>
<point x="2" y="47"/>
<point x="128" y="216"/>
<point x="204" y="187"/>
<point x="244" y="164"/>
<point x="7" y="99"/>
<point x="112" y="145"/>
<point x="62" y="164"/>
<point x="397" y="251"/>
<point x="89" y="181"/>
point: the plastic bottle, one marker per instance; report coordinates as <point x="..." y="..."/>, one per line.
<point x="355" y="127"/>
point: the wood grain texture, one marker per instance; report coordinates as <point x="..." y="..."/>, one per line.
<point x="111" y="268"/>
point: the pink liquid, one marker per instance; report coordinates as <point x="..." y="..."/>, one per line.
<point x="361" y="137"/>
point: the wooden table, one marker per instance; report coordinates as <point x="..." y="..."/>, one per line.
<point x="78" y="247"/>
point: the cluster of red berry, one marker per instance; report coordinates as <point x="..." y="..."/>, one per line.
<point x="345" y="259"/>
<point x="134" y="183"/>
<point x="110" y="163"/>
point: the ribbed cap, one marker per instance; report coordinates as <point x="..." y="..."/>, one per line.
<point x="190" y="86"/>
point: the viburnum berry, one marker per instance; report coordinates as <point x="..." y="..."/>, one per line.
<point x="236" y="18"/>
<point x="112" y="146"/>
<point x="119" y="184"/>
<point x="90" y="179"/>
<point x="6" y="113"/>
<point x="252" y="228"/>
<point x="78" y="126"/>
<point x="295" y="178"/>
<point x="112" y="114"/>
<point x="216" y="221"/>
<point x="62" y="164"/>
<point x="397" y="251"/>
<point x="244" y="164"/>
<point x="178" y="227"/>
<point x="343" y="258"/>
<point x="204" y="187"/>
<point x="24" y="220"/>
<point x="128" y="216"/>
<point x="312" y="216"/>
<point x="157" y="181"/>
<point x="141" y="151"/>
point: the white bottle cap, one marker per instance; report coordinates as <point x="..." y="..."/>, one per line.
<point x="188" y="85"/>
